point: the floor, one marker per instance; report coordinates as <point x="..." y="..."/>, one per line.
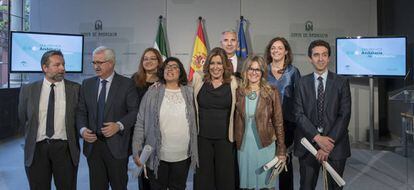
<point x="370" y="170"/>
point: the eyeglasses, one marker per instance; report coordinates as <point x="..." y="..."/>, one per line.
<point x="99" y="63"/>
<point x="172" y="67"/>
<point x="252" y="70"/>
<point x="150" y="59"/>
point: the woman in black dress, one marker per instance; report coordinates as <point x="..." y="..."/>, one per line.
<point x="215" y="98"/>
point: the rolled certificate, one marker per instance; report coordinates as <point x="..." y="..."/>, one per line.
<point x="146" y="152"/>
<point x="338" y="179"/>
<point x="270" y="164"/>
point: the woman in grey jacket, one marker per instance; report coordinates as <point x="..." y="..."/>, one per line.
<point x="166" y="122"/>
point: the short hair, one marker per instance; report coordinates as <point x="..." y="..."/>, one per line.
<point x="229" y="31"/>
<point x="108" y="52"/>
<point x="47" y="55"/>
<point x="182" y="79"/>
<point x="227" y="65"/>
<point x="141" y="76"/>
<point x="288" y="57"/>
<point x="318" y="43"/>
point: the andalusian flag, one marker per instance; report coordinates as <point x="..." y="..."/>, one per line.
<point x="199" y="52"/>
<point x="242" y="49"/>
<point x="160" y="42"/>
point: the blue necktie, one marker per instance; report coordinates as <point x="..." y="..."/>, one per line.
<point x="320" y="102"/>
<point x="50" y="118"/>
<point x="101" y="107"/>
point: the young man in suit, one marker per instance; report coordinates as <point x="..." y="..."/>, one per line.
<point x="108" y="107"/>
<point x="46" y="111"/>
<point x="323" y="111"/>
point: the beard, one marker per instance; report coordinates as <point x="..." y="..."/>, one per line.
<point x="58" y="76"/>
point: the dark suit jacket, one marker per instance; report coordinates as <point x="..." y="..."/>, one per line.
<point x="29" y="118"/>
<point x="240" y="64"/>
<point x="121" y="105"/>
<point x="337" y="114"/>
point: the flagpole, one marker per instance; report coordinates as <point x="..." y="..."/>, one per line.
<point x="160" y="39"/>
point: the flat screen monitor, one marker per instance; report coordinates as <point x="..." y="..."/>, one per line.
<point x="27" y="48"/>
<point x="371" y="56"/>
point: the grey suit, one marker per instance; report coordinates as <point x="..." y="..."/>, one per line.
<point x="29" y="119"/>
<point x="108" y="156"/>
<point x="337" y="106"/>
<point x="29" y="112"/>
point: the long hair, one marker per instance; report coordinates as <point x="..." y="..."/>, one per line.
<point x="182" y="79"/>
<point x="140" y="78"/>
<point x="226" y="65"/>
<point x="288" y="56"/>
<point x="264" y="85"/>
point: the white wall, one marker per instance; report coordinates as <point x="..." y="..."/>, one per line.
<point x="136" y="23"/>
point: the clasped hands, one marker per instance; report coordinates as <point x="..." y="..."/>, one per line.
<point x="326" y="145"/>
<point x="109" y="129"/>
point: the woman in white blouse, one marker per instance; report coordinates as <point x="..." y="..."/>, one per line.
<point x="166" y="122"/>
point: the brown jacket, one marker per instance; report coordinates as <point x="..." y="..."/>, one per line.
<point x="269" y="119"/>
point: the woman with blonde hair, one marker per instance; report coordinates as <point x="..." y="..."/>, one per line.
<point x="258" y="126"/>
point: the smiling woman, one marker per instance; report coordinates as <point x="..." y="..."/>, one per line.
<point x="256" y="144"/>
<point x="214" y="94"/>
<point x="166" y="122"/>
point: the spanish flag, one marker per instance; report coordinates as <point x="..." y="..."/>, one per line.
<point x="199" y="52"/>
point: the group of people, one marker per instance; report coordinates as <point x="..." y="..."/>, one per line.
<point x="226" y="124"/>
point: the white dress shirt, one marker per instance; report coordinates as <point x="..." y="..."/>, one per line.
<point x="234" y="62"/>
<point x="108" y="86"/>
<point x="60" y="111"/>
<point x="324" y="77"/>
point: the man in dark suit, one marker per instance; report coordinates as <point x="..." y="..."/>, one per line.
<point x="47" y="112"/>
<point x="229" y="43"/>
<point x="323" y="110"/>
<point x="108" y="107"/>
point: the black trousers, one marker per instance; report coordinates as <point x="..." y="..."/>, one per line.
<point x="286" y="178"/>
<point x="143" y="183"/>
<point x="52" y="157"/>
<point x="171" y="175"/>
<point x="216" y="165"/>
<point x="104" y="169"/>
<point x="309" y="171"/>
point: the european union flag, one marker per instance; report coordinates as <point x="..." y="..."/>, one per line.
<point x="242" y="49"/>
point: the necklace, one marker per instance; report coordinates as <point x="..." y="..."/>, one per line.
<point x="252" y="95"/>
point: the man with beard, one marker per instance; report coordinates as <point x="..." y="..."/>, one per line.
<point x="108" y="107"/>
<point x="47" y="112"/>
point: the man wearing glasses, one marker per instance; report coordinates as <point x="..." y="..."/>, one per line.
<point x="108" y="107"/>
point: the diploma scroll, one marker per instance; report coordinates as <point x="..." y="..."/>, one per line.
<point x="270" y="164"/>
<point x="338" y="179"/>
<point x="146" y="152"/>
